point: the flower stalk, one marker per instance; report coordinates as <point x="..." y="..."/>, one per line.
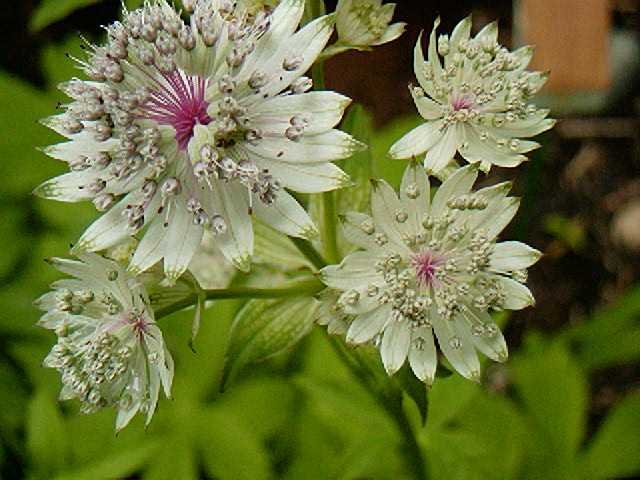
<point x="389" y="396"/>
<point x="307" y="287"/>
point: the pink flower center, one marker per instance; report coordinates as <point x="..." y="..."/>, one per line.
<point x="180" y="103"/>
<point x="426" y="264"/>
<point x="462" y="102"/>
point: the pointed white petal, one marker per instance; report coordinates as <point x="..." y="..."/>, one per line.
<point x="183" y="239"/>
<point x="461" y="33"/>
<point x="151" y="248"/>
<point x="368" y="325"/>
<point x="423" y="357"/>
<point x="354" y="225"/>
<point x="477" y="150"/>
<point x="324" y="147"/>
<point x="284" y="21"/>
<point x="387" y="211"/>
<point x="236" y="243"/>
<point x="427" y="108"/>
<point x="456" y="344"/>
<point x="69" y="187"/>
<point x="357" y="270"/>
<point x="306" y="178"/>
<point x="417" y="141"/>
<point x="459" y="183"/>
<point x="109" y="229"/>
<point x="307" y="44"/>
<point x="415" y="194"/>
<point x="512" y="256"/>
<point x="395" y="345"/>
<point x="286" y="215"/>
<point x="443" y="151"/>
<point x="392" y="32"/>
<point x="490" y="340"/>
<point x="517" y="296"/>
<point x="321" y="110"/>
<point x="489" y="34"/>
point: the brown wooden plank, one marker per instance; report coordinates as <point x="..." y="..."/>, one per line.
<point x="571" y="39"/>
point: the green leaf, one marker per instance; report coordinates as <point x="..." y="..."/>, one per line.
<point x="175" y="458"/>
<point x="553" y="390"/>
<point x="615" y="449"/>
<point x="611" y="336"/>
<point x="117" y="465"/>
<point x="416" y="389"/>
<point x="231" y="450"/>
<point x="46" y="438"/>
<point x="264" y="328"/>
<point x="21" y="135"/>
<point x="51" y="11"/>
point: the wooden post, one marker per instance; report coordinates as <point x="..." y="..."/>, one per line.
<point x="571" y="39"/>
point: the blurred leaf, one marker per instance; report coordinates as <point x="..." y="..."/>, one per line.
<point x="175" y="459"/>
<point x="615" y="450"/>
<point x="230" y="450"/>
<point x="51" y="11"/>
<point x="553" y="390"/>
<point x="447" y="398"/>
<point x="416" y="389"/>
<point x="611" y="336"/>
<point x="263" y="328"/>
<point x="570" y="231"/>
<point x="23" y="106"/>
<point x="13" y="398"/>
<point x="117" y="465"/>
<point x="46" y="437"/>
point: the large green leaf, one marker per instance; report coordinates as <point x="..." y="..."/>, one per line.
<point x="46" y="439"/>
<point x="230" y="450"/>
<point x="22" y="166"/>
<point x="51" y="11"/>
<point x="553" y="391"/>
<point x="614" y="451"/>
<point x="264" y="328"/>
<point x="612" y="335"/>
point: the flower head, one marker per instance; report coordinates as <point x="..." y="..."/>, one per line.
<point x="109" y="352"/>
<point x="365" y="23"/>
<point x="475" y="101"/>
<point x="187" y="127"/>
<point x="432" y="267"/>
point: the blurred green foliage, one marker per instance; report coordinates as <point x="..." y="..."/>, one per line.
<point x="298" y="415"/>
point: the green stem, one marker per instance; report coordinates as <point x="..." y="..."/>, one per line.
<point x="391" y="401"/>
<point x="329" y="233"/>
<point x="329" y="212"/>
<point x="307" y="287"/>
<point x="310" y="253"/>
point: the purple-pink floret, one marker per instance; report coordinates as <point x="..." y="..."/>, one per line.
<point x="425" y="264"/>
<point x="179" y="103"/>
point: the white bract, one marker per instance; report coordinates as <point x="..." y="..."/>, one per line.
<point x="109" y="352"/>
<point x="362" y="24"/>
<point x="474" y="101"/>
<point x="432" y="267"/>
<point x="191" y="127"/>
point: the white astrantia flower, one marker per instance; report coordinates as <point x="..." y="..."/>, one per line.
<point x="109" y="352"/>
<point x="432" y="267"/>
<point x="191" y="127"/>
<point x="362" y="24"/>
<point x="475" y="101"/>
